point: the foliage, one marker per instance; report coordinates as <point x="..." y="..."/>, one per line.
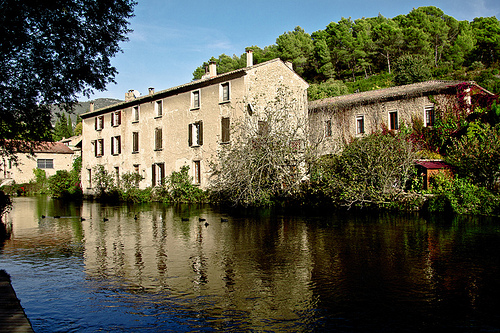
<point x="66" y="184"/>
<point x="102" y="181"/>
<point x="411" y="69"/>
<point x="63" y="127"/>
<point x="460" y="196"/>
<point x="179" y="187"/>
<point x="5" y="204"/>
<point x="326" y="89"/>
<point x="436" y="45"/>
<point x="373" y="169"/>
<point x="50" y="53"/>
<point x="476" y="155"/>
<point x="266" y="158"/>
<point x="41" y="180"/>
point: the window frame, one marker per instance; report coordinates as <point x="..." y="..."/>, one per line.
<point x="198" y="126"/>
<point x="135" y="142"/>
<point x="99" y="148"/>
<point x="157" y="178"/>
<point x="360" y="120"/>
<point x="196" y="172"/>
<point x="116" y="145"/>
<point x="195" y="102"/>
<point x="116" y="118"/>
<point x="429" y="115"/>
<point x="158" y="137"/>
<point x="225" y="129"/>
<point x="48" y="163"/>
<point x="99" y="123"/>
<point x="328" y="128"/>
<point x="393" y="116"/>
<point x="158" y="106"/>
<point x="136" y="110"/>
<point x="225" y="97"/>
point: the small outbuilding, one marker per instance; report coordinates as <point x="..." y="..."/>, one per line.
<point x="429" y="168"/>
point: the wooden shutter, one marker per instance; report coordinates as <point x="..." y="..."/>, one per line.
<point x="119" y="117"/>
<point x="153" y="172"/>
<point x="200" y="133"/>
<point x="190" y="135"/>
<point x="225" y="125"/>
<point x="95" y="124"/>
<point x="119" y="144"/>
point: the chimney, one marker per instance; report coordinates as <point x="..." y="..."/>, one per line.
<point x="91" y="107"/>
<point x="129" y="95"/>
<point x="212" y="68"/>
<point x="249" y="58"/>
<point x="151" y="90"/>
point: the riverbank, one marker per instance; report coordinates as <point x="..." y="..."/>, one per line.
<point x="12" y="315"/>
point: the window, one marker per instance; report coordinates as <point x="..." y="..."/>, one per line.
<point x="116" y="148"/>
<point x="328" y="128"/>
<point x="135" y="114"/>
<point x="99" y="147"/>
<point x="158" y="108"/>
<point x="89" y="178"/>
<point x="135" y="142"/>
<point x="99" y="123"/>
<point x="116" y="118"/>
<point x="225" y="96"/>
<point x="225" y="128"/>
<point x="197" y="172"/>
<point x="264" y="128"/>
<point x="94" y="147"/>
<point x="195" y="134"/>
<point x="393" y="120"/>
<point x="158" y="172"/>
<point x="195" y="99"/>
<point x="360" y="124"/>
<point x="158" y="138"/>
<point x="429" y="115"/>
<point x="45" y="163"/>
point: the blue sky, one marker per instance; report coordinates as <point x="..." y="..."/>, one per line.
<point x="172" y="38"/>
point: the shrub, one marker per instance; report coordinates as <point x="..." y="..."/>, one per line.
<point x="461" y="196"/>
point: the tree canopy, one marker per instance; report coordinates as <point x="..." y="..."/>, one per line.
<point x="350" y="50"/>
<point x="49" y="53"/>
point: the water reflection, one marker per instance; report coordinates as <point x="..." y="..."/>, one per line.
<point x="160" y="268"/>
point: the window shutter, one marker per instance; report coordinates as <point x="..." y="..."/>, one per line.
<point x="95" y="123"/>
<point x="153" y="172"/>
<point x="119" y="117"/>
<point x="200" y="133"/>
<point x="113" y="145"/>
<point x="225" y="124"/>
<point x="162" y="172"/>
<point x="119" y="143"/>
<point x="190" y="135"/>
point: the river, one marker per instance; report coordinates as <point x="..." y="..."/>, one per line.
<point x="189" y="268"/>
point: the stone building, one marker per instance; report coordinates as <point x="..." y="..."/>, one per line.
<point x="160" y="132"/>
<point x="337" y="120"/>
<point x="48" y="156"/>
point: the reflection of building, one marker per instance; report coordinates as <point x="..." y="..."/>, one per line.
<point x="338" y="119"/>
<point x="159" y="133"/>
<point x="48" y="156"/>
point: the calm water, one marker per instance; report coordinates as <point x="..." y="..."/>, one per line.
<point x="148" y="269"/>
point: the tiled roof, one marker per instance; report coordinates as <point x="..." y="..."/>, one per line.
<point x="410" y="90"/>
<point x="431" y="164"/>
<point x="182" y="87"/>
<point x="52" y="147"/>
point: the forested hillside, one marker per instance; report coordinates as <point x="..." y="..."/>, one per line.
<point x="370" y="53"/>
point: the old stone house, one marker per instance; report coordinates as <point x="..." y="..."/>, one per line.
<point x="48" y="156"/>
<point x="337" y="120"/>
<point x="160" y="132"/>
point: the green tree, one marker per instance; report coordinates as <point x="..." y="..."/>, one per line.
<point x="50" y="52"/>
<point x="388" y="38"/>
<point x="487" y="33"/>
<point x="296" y="46"/>
<point x="63" y="127"/>
<point x="476" y="155"/>
<point x="411" y="69"/>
